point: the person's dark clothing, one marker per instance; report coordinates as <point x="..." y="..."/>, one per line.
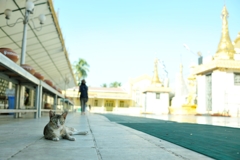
<point x="83" y="89"/>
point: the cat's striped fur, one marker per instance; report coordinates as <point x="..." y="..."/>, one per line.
<point x="55" y="128"/>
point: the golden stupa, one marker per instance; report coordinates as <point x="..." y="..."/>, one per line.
<point x="225" y="48"/>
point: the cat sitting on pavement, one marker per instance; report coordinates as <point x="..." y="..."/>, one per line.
<point x="55" y="128"/>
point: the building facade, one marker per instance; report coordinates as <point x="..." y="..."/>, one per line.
<point x="218" y="80"/>
<point x="140" y="95"/>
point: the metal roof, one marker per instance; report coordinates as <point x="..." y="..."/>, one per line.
<point x="45" y="51"/>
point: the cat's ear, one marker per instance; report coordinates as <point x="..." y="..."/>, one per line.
<point x="51" y="113"/>
<point x="64" y="114"/>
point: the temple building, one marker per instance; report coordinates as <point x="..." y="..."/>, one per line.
<point x="218" y="81"/>
<point x="213" y="87"/>
<point x="156" y="95"/>
<point x="128" y="99"/>
<point x="140" y="95"/>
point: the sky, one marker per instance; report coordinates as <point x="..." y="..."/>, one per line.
<point x="120" y="39"/>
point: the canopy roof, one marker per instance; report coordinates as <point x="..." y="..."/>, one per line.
<point x="45" y="51"/>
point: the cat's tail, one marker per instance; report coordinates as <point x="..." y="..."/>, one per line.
<point x="80" y="133"/>
<point x="71" y="129"/>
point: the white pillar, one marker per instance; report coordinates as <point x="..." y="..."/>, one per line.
<point x="55" y="102"/>
<point x="103" y="105"/>
<point x="17" y="97"/>
<point x="21" y="99"/>
<point x="31" y="97"/>
<point x="10" y="85"/>
<point x="116" y="105"/>
<point x="24" y="39"/>
<point x="38" y="100"/>
<point x="201" y="94"/>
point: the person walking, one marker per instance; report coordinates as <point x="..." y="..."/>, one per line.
<point x="83" y="89"/>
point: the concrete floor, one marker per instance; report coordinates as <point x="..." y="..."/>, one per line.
<point x="22" y="139"/>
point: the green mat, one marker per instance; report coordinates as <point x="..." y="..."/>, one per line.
<point x="218" y="142"/>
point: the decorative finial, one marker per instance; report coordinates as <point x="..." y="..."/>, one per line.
<point x="225" y="48"/>
<point x="155" y="79"/>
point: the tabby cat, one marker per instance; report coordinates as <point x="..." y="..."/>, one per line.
<point x="55" y="128"/>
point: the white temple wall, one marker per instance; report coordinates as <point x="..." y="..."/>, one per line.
<point x="201" y="94"/>
<point x="219" y="85"/>
<point x="225" y="95"/>
<point x="157" y="106"/>
<point x="151" y="102"/>
<point x="232" y="105"/>
<point x="232" y="96"/>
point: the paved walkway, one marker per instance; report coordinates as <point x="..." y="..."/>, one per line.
<point x="22" y="139"/>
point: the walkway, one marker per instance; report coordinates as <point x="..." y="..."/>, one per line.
<point x="22" y="139"/>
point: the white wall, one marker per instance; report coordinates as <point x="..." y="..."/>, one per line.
<point x="164" y="97"/>
<point x="232" y="96"/>
<point x="157" y="106"/>
<point x="201" y="94"/>
<point x="219" y="84"/>
<point x="225" y="95"/>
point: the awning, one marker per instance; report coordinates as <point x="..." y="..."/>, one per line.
<point x="46" y="51"/>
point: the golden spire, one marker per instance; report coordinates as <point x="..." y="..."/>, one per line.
<point x="155" y="79"/>
<point x="225" y="48"/>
